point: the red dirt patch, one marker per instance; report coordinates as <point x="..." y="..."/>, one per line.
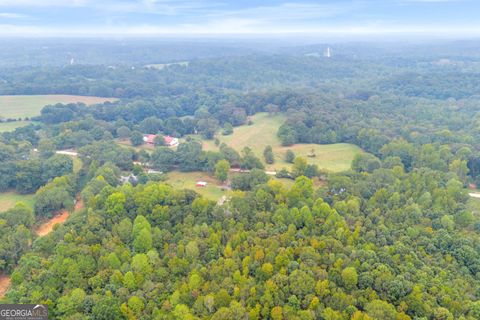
<point x="47" y="227"/>
<point x="60" y="218"/>
<point x="4" y="284"/>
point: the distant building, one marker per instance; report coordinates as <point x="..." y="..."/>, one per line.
<point x="327" y="53"/>
<point x="151" y="171"/>
<point x="149" y="138"/>
<point x="131" y="178"/>
<point x="201" y="184"/>
<point x="169" y="141"/>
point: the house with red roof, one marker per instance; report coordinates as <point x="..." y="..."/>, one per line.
<point x="149" y="138"/>
<point x="169" y="141"/>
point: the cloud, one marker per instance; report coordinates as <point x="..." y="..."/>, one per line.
<point x="294" y="10"/>
<point x="427" y="1"/>
<point x="10" y="15"/>
<point x="151" y="17"/>
<point x="292" y="16"/>
<point x="232" y="27"/>
<point x="166" y="7"/>
<point x="43" y="3"/>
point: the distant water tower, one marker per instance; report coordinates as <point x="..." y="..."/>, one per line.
<point x="327" y="53"/>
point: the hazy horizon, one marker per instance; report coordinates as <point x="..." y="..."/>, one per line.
<point x="345" y="18"/>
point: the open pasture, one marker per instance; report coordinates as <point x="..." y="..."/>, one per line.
<point x="10" y="198"/>
<point x="23" y="106"/>
<point x="187" y="180"/>
<point x="332" y="157"/>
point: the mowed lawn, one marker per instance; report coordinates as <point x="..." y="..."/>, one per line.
<point x="187" y="180"/>
<point x="261" y="133"/>
<point x="9" y="199"/>
<point x="335" y="157"/>
<point x="30" y="105"/>
<point x="332" y="157"/>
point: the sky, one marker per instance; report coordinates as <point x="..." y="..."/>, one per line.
<point x="218" y="17"/>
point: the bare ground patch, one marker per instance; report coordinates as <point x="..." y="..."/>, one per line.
<point x="60" y="218"/>
<point x="47" y="227"/>
<point x="4" y="284"/>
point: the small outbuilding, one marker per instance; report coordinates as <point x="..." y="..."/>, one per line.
<point x="201" y="184"/>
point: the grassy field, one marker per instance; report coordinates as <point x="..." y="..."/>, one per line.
<point x="10" y="126"/>
<point x="161" y="66"/>
<point x="28" y="106"/>
<point x="213" y="190"/>
<point x="187" y="180"/>
<point x="333" y="157"/>
<point x="125" y="143"/>
<point x="261" y="133"/>
<point x="9" y="199"/>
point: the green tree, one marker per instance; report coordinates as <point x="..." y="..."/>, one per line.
<point x="143" y="242"/>
<point x="299" y="167"/>
<point x="140" y="223"/>
<point x="221" y="170"/>
<point x="124" y="230"/>
<point x="46" y="148"/>
<point x="287" y="135"/>
<point x="249" y="160"/>
<point x="136" y="138"/>
<point x="379" y="309"/>
<point x="141" y="265"/>
<point x="365" y="162"/>
<point x="129" y="281"/>
<point x="136" y="305"/>
<point x="248" y="181"/>
<point x="207" y="127"/>
<point x="459" y="167"/>
<point x="350" y="277"/>
<point x="21" y="213"/>
<point x="115" y="204"/>
<point x="55" y="196"/>
<point x="159" y="140"/>
<point x="71" y="303"/>
<point x="268" y="155"/>
<point x="124" y="132"/>
<point x="163" y="158"/>
<point x="227" y="129"/>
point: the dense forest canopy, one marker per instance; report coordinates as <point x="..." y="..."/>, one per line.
<point x="395" y="237"/>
